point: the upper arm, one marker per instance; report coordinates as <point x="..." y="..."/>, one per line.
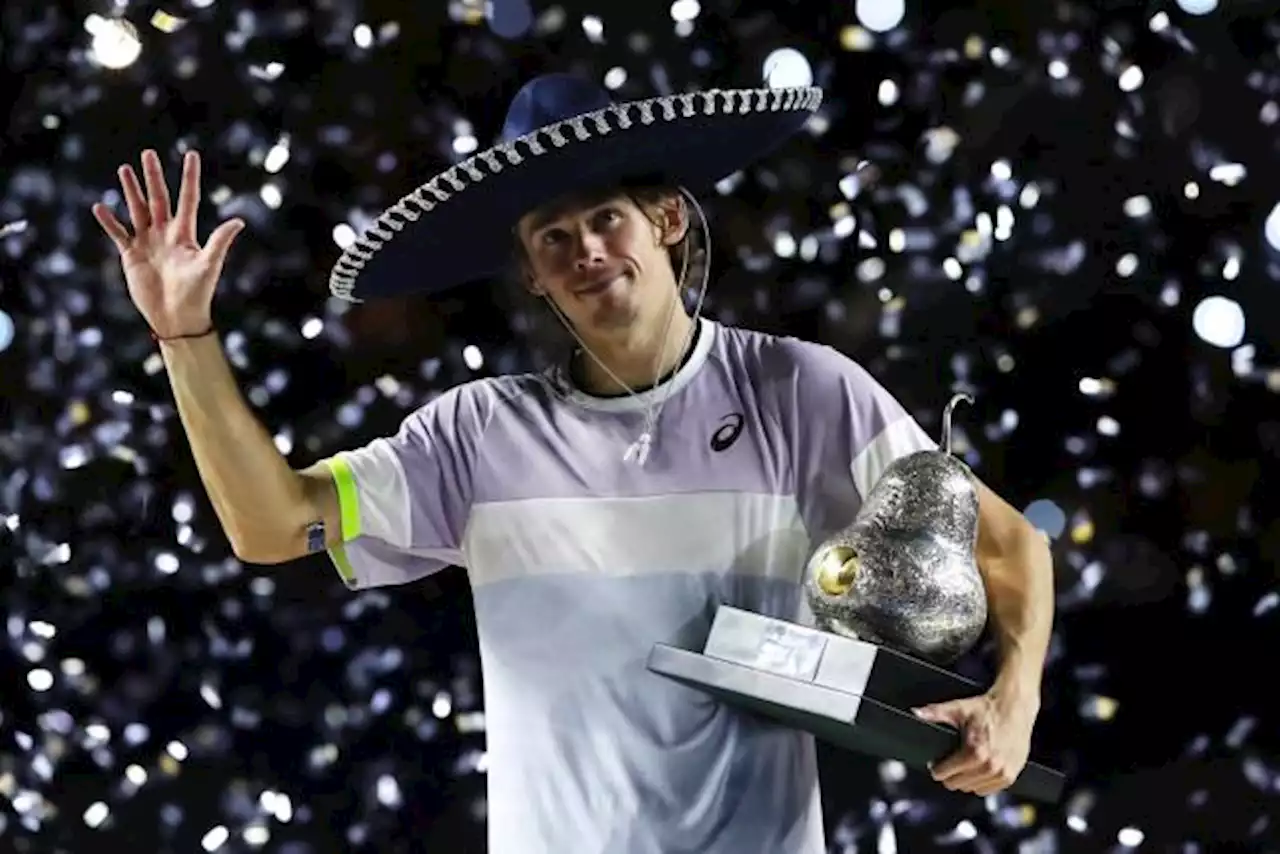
<point x="1001" y="528"/>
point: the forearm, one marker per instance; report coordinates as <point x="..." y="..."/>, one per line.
<point x="1020" y="590"/>
<point x="261" y="502"/>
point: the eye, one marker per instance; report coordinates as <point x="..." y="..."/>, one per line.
<point x="609" y="217"/>
<point x="551" y="237"/>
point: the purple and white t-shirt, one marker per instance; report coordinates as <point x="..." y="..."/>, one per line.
<point x="581" y="562"/>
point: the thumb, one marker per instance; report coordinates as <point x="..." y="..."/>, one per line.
<point x="953" y="713"/>
<point x="220" y="241"/>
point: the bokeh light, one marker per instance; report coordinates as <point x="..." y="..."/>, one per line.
<point x="880" y="16"/>
<point x="1272" y="228"/>
<point x="510" y="19"/>
<point x="1066" y="210"/>
<point x="787" y="67"/>
<point x="115" y="42"/>
<point x="1219" y="321"/>
<point x="6" y="331"/>
<point x="1197" y="7"/>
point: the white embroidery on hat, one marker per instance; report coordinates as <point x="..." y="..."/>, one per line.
<point x="582" y="128"/>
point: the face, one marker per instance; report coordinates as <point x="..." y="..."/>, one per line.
<point x="604" y="261"/>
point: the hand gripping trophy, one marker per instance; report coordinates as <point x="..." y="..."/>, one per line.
<point x="895" y="595"/>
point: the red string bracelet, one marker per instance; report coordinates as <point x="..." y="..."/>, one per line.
<point x="158" y="339"/>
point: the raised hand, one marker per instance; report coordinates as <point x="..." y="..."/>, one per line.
<point x="171" y="277"/>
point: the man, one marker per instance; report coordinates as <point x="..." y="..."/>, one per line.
<point x="670" y="465"/>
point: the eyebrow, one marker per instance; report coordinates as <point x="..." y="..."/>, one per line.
<point x="553" y="212"/>
<point x="542" y="219"/>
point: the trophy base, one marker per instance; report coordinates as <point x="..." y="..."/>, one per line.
<point x="849" y="693"/>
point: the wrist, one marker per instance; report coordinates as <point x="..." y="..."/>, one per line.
<point x="1018" y="684"/>
<point x="186" y="351"/>
<point x="197" y="331"/>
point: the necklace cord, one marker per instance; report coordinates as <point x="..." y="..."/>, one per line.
<point x="638" y="451"/>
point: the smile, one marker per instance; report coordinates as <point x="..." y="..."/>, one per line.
<point x="600" y="286"/>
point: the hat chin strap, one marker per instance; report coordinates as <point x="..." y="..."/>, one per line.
<point x="638" y="451"/>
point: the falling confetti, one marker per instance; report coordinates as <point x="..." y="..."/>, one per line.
<point x="1067" y="212"/>
<point x="166" y="23"/>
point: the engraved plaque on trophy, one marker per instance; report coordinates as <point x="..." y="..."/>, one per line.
<point x="896" y="595"/>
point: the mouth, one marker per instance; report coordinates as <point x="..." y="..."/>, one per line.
<point x="600" y="285"/>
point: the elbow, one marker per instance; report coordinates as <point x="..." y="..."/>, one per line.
<point x="263" y="551"/>
<point x="274" y="538"/>
<point x="247" y="553"/>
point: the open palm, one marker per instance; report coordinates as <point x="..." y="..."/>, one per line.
<point x="171" y="277"/>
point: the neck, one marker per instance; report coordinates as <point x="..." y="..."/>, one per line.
<point x="639" y="358"/>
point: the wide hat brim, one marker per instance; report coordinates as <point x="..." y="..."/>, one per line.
<point x="459" y="227"/>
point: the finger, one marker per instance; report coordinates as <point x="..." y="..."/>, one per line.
<point x="934" y="715"/>
<point x="220" y="241"/>
<point x="947" y="714"/>
<point x="967" y="783"/>
<point x="189" y="197"/>
<point x="139" y="216"/>
<point x="118" y="233"/>
<point x="157" y="191"/>
<point x="968" y="773"/>
<point x="991" y="785"/>
<point x="958" y="764"/>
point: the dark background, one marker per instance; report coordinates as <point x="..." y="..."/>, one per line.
<point x="1158" y="695"/>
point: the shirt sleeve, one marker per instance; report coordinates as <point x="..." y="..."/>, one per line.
<point x="848" y="429"/>
<point x="405" y="499"/>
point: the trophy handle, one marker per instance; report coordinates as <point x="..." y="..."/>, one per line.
<point x="946" y="418"/>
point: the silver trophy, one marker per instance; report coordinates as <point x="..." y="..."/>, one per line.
<point x="894" y="595"/>
<point x="903" y="574"/>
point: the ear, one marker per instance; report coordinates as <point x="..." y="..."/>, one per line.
<point x="529" y="280"/>
<point x="675" y="219"/>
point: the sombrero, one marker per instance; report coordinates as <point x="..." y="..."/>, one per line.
<point x="562" y="134"/>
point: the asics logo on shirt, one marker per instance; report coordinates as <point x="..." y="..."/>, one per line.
<point x="730" y="429"/>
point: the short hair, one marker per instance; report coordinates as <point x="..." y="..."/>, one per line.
<point x="643" y="194"/>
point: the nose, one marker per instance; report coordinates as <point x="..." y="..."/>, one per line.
<point x="590" y="250"/>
